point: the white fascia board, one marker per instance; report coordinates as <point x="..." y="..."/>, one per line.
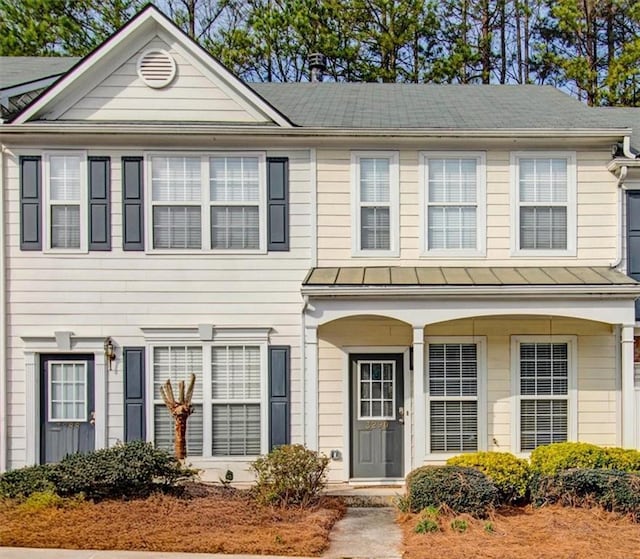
<point x="473" y="292"/>
<point x="618" y="162"/>
<point x="149" y="17"/>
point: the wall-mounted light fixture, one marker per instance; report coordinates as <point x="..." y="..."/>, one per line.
<point x="109" y="352"/>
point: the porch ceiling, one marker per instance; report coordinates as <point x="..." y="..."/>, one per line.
<point x="472" y="280"/>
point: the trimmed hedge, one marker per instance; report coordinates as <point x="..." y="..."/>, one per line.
<point x="509" y="474"/>
<point x="611" y="489"/>
<point x="133" y="469"/>
<point x="551" y="459"/>
<point x="464" y="490"/>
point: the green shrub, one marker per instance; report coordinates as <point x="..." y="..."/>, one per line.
<point x="464" y="490"/>
<point x="509" y="474"/>
<point x="623" y="459"/>
<point x="551" y="459"/>
<point x="133" y="469"/>
<point x="290" y="475"/>
<point x="428" y="521"/>
<point x="20" y="483"/>
<point x="459" y="525"/>
<point x="611" y="489"/>
<point x="48" y="499"/>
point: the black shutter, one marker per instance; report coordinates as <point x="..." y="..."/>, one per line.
<point x="30" y="203"/>
<point x="278" y="203"/>
<point x="279" y="431"/>
<point x="132" y="204"/>
<point x="633" y="239"/>
<point x="134" y="384"/>
<point x="99" y="203"/>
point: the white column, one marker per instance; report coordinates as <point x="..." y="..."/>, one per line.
<point x="32" y="409"/>
<point x="100" y="373"/>
<point x="419" y="406"/>
<point x="311" y="387"/>
<point x="628" y="393"/>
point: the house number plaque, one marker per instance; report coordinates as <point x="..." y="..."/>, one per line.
<point x="371" y="425"/>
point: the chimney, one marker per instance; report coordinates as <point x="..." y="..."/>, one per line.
<point x="317" y="65"/>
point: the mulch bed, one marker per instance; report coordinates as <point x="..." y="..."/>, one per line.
<point x="204" y="519"/>
<point x="528" y="533"/>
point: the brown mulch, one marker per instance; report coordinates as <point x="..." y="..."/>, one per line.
<point x="528" y="533"/>
<point x="205" y="519"/>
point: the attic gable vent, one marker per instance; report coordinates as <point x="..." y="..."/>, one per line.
<point x="156" y="68"/>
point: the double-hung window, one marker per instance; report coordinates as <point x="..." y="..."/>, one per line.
<point x="544" y="382"/>
<point x="66" y="197"/>
<point x="375" y="203"/>
<point x="454" y="203"/>
<point x="454" y="396"/>
<point x="544" y="203"/>
<point x="212" y="201"/>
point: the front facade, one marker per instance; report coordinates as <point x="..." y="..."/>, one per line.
<point x="389" y="274"/>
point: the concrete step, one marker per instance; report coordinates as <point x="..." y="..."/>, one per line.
<point x="366" y="496"/>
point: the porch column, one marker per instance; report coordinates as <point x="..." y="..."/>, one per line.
<point x="419" y="407"/>
<point x="628" y="392"/>
<point x="310" y="418"/>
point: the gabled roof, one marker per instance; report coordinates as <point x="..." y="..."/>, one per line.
<point x="624" y="116"/>
<point x="19" y="70"/>
<point x="110" y="53"/>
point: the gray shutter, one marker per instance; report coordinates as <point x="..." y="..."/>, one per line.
<point x="134" y="404"/>
<point x="279" y="395"/>
<point x="30" y="203"/>
<point x="278" y="203"/>
<point x="99" y="203"/>
<point x="132" y="204"/>
<point x="633" y="239"/>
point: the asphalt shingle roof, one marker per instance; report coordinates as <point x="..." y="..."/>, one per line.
<point x="624" y="116"/>
<point x="16" y="70"/>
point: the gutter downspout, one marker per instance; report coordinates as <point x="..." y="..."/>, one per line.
<point x="303" y="370"/>
<point x="626" y="148"/>
<point x="3" y="324"/>
<point x="620" y="232"/>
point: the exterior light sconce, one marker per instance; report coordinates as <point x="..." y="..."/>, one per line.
<point x="109" y="352"/>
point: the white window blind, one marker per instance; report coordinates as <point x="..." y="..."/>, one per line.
<point x="235" y="199"/>
<point x="452" y="204"/>
<point x="544" y="383"/>
<point x="236" y="389"/>
<point x="543" y="203"/>
<point x="375" y="204"/>
<point x="65" y="201"/>
<point x="453" y="397"/>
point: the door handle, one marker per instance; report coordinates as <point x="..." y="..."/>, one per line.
<point x="400" y="414"/>
<point x="92" y="418"/>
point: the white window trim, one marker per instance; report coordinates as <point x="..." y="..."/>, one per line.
<point x="481" y="344"/>
<point x="572" y="386"/>
<point x="84" y="203"/>
<point x="393" y="394"/>
<point x="571" y="204"/>
<point x="85" y="417"/>
<point x="481" y="204"/>
<point x="394" y="203"/>
<point x="205" y="202"/>
<point x="222" y="337"/>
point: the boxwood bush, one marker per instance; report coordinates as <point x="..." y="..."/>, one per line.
<point x="133" y="469"/>
<point x="611" y="489"/>
<point x="551" y="459"/>
<point x="509" y="474"/>
<point x="464" y="490"/>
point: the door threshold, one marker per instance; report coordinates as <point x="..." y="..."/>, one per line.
<point x="363" y="482"/>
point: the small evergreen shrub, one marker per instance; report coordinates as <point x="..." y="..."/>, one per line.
<point x="623" y="459"/>
<point x="459" y="525"/>
<point x="464" y="490"/>
<point x="428" y="521"/>
<point x="509" y="474"/>
<point x="611" y="489"/>
<point x="48" y="499"/>
<point x="20" y="483"/>
<point x="133" y="469"/>
<point x="290" y="475"/>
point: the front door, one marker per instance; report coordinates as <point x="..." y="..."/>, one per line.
<point x="66" y="406"/>
<point x="377" y="416"/>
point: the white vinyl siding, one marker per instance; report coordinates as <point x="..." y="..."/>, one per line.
<point x="67" y="391"/>
<point x="236" y="388"/>
<point x="375" y="203"/>
<point x="176" y="363"/>
<point x="453" y="397"/>
<point x="545" y="204"/>
<point x="213" y="202"/>
<point x="66" y="195"/>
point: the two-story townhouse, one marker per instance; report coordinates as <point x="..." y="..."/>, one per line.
<point x="391" y="274"/>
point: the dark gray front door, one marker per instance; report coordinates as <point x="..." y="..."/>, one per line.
<point x="66" y="406"/>
<point x="377" y="416"/>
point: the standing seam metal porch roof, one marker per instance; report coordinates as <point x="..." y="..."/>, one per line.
<point x="399" y="276"/>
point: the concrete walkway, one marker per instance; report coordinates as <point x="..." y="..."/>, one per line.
<point x="363" y="533"/>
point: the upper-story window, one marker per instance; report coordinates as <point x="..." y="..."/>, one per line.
<point x="544" y="204"/>
<point x="375" y="206"/>
<point x="454" y="204"/>
<point x="66" y="201"/>
<point x="211" y="202"/>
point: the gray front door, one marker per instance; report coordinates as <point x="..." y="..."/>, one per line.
<point x="377" y="416"/>
<point x="66" y="406"/>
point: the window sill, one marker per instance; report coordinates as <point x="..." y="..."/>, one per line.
<point x="203" y="252"/>
<point x="571" y="253"/>
<point x="452" y="255"/>
<point x="376" y="254"/>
